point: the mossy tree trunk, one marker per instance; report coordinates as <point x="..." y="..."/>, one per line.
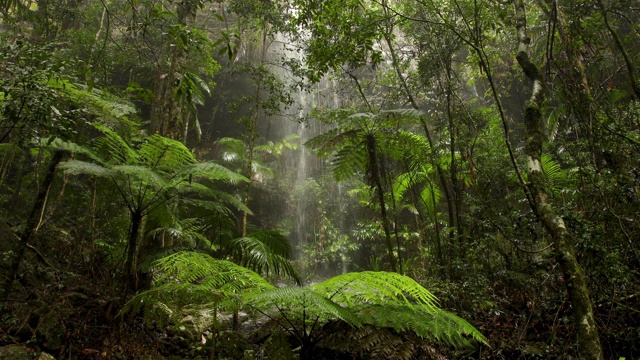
<point x="167" y="115"/>
<point x="588" y="340"/>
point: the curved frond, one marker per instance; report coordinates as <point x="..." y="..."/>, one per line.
<point x="78" y="167"/>
<point x="348" y="161"/>
<point x="60" y="144"/>
<point x="214" y="194"/>
<point x="376" y="287"/>
<point x="296" y="300"/>
<point x="112" y="146"/>
<point x="437" y="325"/>
<point x="266" y="252"/>
<point x="164" y="154"/>
<point x="142" y="174"/>
<point x="212" y="171"/>
<point x="201" y="269"/>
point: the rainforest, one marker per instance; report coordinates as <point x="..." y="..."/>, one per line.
<point x="319" y="179"/>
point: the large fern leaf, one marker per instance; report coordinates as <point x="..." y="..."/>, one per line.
<point x="267" y="252"/>
<point x="300" y="304"/>
<point x="164" y="154"/>
<point x="202" y="269"/>
<point x="77" y="167"/>
<point x="212" y="171"/>
<point x="190" y="278"/>
<point x="437" y="325"/>
<point x="376" y="287"/>
<point x="113" y="148"/>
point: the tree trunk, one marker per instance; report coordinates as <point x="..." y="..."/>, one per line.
<point x="167" y="118"/>
<point x="131" y="271"/>
<point x="374" y="172"/>
<point x="30" y="228"/>
<point x="589" y="347"/>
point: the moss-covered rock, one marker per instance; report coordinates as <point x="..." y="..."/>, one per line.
<point x="17" y="352"/>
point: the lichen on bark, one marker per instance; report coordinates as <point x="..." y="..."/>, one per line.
<point x="588" y="341"/>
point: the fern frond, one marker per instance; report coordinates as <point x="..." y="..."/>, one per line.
<point x="296" y="300"/>
<point x="214" y="194"/>
<point x="164" y="154"/>
<point x="376" y="287"/>
<point x="438" y="325"/>
<point x="401" y="184"/>
<point x="430" y="197"/>
<point x="202" y="269"/>
<point x="142" y="174"/>
<point x="333" y="140"/>
<point x="348" y="161"/>
<point x="60" y="144"/>
<point x="99" y="103"/>
<point x="162" y="304"/>
<point x="555" y="177"/>
<point x="77" y="167"/>
<point x="112" y="146"/>
<point x="267" y="251"/>
<point x="212" y="171"/>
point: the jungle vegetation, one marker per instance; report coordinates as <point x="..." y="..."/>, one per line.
<point x="324" y="179"/>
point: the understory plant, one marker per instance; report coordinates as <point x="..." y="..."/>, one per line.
<point x="357" y="299"/>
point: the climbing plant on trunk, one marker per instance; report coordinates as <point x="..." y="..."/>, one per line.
<point x="587" y="333"/>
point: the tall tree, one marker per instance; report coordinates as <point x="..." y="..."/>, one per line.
<point x="589" y="346"/>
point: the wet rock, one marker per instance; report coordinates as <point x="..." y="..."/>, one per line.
<point x="45" y="356"/>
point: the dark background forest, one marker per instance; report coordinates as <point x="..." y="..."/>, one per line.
<point x="320" y="179"/>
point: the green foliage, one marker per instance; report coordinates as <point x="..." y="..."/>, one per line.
<point x="339" y="32"/>
<point x="187" y="278"/>
<point x="381" y="299"/>
<point x="266" y="252"/>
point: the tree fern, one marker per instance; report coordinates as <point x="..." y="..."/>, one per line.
<point x="159" y="171"/>
<point x="191" y="278"/>
<point x="381" y="299"/>
<point x="298" y="309"/>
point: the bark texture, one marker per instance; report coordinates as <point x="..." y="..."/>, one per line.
<point x="167" y="115"/>
<point x="588" y="340"/>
